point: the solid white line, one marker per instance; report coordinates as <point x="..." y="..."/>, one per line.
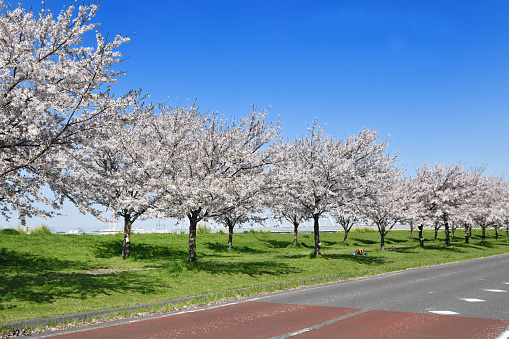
<point x="444" y="312"/>
<point x="317" y="326"/>
<point x="496" y="291"/>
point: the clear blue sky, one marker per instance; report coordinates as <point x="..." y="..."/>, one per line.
<point x="434" y="75"/>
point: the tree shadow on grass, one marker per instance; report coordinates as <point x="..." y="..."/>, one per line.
<point x="396" y="241"/>
<point x="155" y="252"/>
<point x="252" y="269"/>
<point x="364" y="259"/>
<point x="80" y="286"/>
<point x="443" y="248"/>
<point x="27" y="277"/>
<point x="293" y="256"/>
<point x="219" y="247"/>
<point x="484" y="244"/>
<point x="12" y="263"/>
<point x="138" y="251"/>
<point x="359" y="242"/>
<point x="277" y="243"/>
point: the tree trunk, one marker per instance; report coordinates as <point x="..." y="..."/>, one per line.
<point x="382" y="237"/>
<point x="230" y="235"/>
<point x="467" y="235"/>
<point x="496" y="232"/>
<point x="295" y="232"/>
<point x="346" y="235"/>
<point x="436" y="232"/>
<point x="411" y="231"/>
<point x="447" y="238"/>
<point x="127" y="236"/>
<point x="421" y="237"/>
<point x="316" y="229"/>
<point x="483" y="233"/>
<point x="193" y="221"/>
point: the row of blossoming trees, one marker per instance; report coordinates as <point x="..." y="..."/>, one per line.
<point x="62" y="128"/>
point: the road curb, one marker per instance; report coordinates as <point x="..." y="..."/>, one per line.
<point x="87" y="316"/>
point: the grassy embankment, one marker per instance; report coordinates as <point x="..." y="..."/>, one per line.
<point x="44" y="275"/>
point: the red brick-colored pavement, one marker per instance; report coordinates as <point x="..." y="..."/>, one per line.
<point x="264" y="320"/>
<point x="243" y="320"/>
<point x="385" y="324"/>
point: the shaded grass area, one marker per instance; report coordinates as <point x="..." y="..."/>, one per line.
<point x="43" y="275"/>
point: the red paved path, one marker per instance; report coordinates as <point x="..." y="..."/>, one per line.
<point x="385" y="324"/>
<point x="264" y="320"/>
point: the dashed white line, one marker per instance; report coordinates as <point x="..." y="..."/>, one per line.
<point x="496" y="291"/>
<point x="472" y="300"/>
<point x="444" y="312"/>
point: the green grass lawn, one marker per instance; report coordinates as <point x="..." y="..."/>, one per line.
<point x="44" y="275"/>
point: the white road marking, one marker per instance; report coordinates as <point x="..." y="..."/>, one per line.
<point x="504" y="335"/>
<point x="496" y="291"/>
<point x="472" y="300"/>
<point x="444" y="312"/>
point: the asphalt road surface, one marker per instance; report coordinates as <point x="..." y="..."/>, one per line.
<point x="467" y="299"/>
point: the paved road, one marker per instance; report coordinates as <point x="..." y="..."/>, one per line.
<point x="460" y="300"/>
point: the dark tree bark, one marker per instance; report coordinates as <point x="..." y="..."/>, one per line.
<point x="382" y="237"/>
<point x="467" y="234"/>
<point x="230" y="234"/>
<point x="295" y="232"/>
<point x="437" y="227"/>
<point x="496" y="232"/>
<point x="316" y="230"/>
<point x="483" y="233"/>
<point x="127" y="236"/>
<point x="194" y="218"/>
<point x="347" y="224"/>
<point x="446" y="225"/>
<point x="421" y="236"/>
<point x="447" y="238"/>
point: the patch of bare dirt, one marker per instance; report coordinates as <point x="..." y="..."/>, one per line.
<point x="90" y="271"/>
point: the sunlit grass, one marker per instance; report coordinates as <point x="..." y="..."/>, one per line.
<point x="43" y="274"/>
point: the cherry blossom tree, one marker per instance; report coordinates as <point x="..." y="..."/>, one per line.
<point x="242" y="198"/>
<point x="222" y="152"/>
<point x="347" y="213"/>
<point x="121" y="168"/>
<point x="488" y="204"/>
<point x="443" y="192"/>
<point x="318" y="170"/>
<point x="279" y="199"/>
<point x="415" y="213"/>
<point x="285" y="210"/>
<point x="53" y="94"/>
<point x="385" y="205"/>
